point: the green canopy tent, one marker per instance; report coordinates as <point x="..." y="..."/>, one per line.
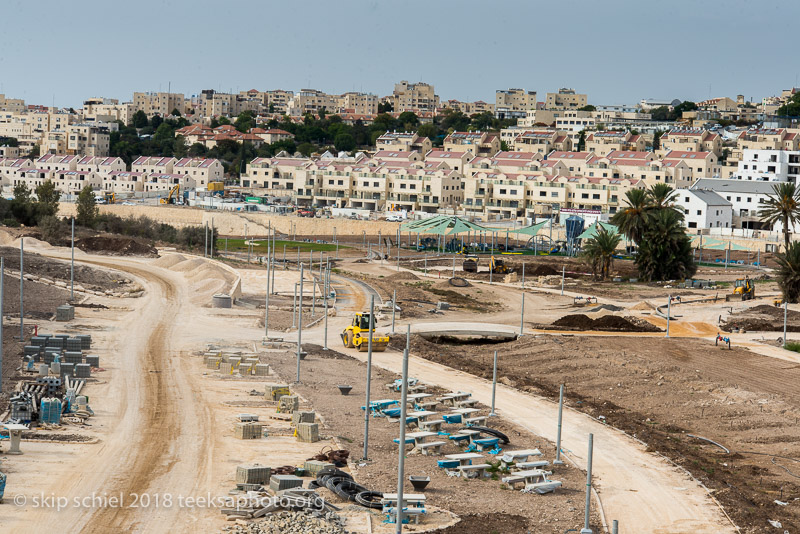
<point x="593" y="229"/>
<point x="442" y="225"/>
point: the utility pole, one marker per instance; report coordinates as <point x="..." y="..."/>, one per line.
<point x="402" y="449"/>
<point x="266" y="303"/>
<point x="2" y="287"/>
<point x="72" y="265"/>
<point x="325" y="345"/>
<point x="300" y="325"/>
<point x="669" y="313"/>
<point x="494" y="383"/>
<point x="558" y="460"/>
<point x="394" y="307"/>
<point x="588" y="507"/>
<point x="522" y="316"/>
<point x="785" y="316"/>
<point x="563" y="272"/>
<point x="294" y="307"/>
<point x="369" y="376"/>
<point x="21" y="291"/>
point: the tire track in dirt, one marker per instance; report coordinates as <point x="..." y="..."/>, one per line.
<point x="160" y="425"/>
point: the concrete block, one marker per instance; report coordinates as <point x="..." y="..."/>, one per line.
<point x="284" y="482"/>
<point x="288" y="404"/>
<point x="225" y="368"/>
<point x="67" y="369"/>
<point x="302" y="417"/>
<point x="83" y="370"/>
<point x="72" y="357"/>
<point x="276" y="391"/>
<point x="308" y="432"/>
<point x="252" y="474"/>
<point x="248" y="430"/>
<point x="94" y="361"/>
<point x="213" y="363"/>
<point x="261" y="369"/>
<point x="315" y="466"/>
<point x="65" y="313"/>
<point x="86" y="341"/>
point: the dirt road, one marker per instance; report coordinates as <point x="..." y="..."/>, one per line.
<point x="637" y="488"/>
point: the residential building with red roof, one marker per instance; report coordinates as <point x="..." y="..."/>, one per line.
<point x="476" y="143"/>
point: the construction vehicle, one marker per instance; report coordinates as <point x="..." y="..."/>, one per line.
<point x="356" y="335"/>
<point x="499" y="266"/>
<point x="216" y="187"/>
<point x="777" y="302"/>
<point x="172" y="197"/>
<point x="470" y="265"/>
<point x="744" y="289"/>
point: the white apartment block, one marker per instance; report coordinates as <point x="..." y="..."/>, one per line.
<point x="769" y="166"/>
<point x="704" y="209"/>
<point x="201" y="170"/>
<point x="414" y="97"/>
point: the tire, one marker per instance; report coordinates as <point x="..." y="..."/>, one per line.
<point x="348" y="489"/>
<point x="370" y="499"/>
<point x="491" y="432"/>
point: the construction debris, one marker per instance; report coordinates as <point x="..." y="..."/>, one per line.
<point x="305" y="522"/>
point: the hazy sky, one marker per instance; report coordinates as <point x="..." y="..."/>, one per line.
<point x="617" y="51"/>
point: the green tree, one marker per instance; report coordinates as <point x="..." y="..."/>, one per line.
<point x="9" y="141"/>
<point x="87" y="207"/>
<point x="582" y="141"/>
<point x="197" y="150"/>
<point x="164" y="132"/>
<point x="175" y="113"/>
<point x="783" y="206"/>
<point x="661" y="196"/>
<point x="139" y="119"/>
<point x="47" y="200"/>
<point x="791" y="108"/>
<point x="306" y="149"/>
<point x="657" y="139"/>
<point x="428" y="130"/>
<point x="632" y="219"/>
<point x="504" y="147"/>
<point x="599" y="250"/>
<point x="22" y="208"/>
<point x="179" y="149"/>
<point x="245" y="121"/>
<point x="385" y="107"/>
<point x="789" y="273"/>
<point x="665" y="251"/>
<point x="344" y="142"/>
<point x="588" y="107"/>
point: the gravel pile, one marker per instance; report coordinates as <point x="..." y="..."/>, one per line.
<point x="293" y="523"/>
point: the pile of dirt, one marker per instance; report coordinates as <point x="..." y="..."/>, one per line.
<point x="117" y="246"/>
<point x="540" y="269"/>
<point x="404" y="275"/>
<point x="608" y="323"/>
<point x="643" y="306"/>
<point x="763" y="318"/>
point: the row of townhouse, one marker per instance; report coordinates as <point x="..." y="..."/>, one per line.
<point x="71" y="173"/>
<point x="210" y="137"/>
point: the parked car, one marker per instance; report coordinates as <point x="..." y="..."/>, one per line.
<point x="394" y="218"/>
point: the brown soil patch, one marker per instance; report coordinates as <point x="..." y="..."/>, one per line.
<point x="607" y="323"/>
<point x="497" y="510"/>
<point x="763" y="318"/>
<point x="663" y="390"/>
<point x="117" y="246"/>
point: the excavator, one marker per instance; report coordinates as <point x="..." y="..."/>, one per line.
<point x="498" y="266"/>
<point x="356" y="335"/>
<point x="744" y="289"/>
<point x="173" y="195"/>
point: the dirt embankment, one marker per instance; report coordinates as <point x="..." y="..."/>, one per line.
<point x="763" y="318"/>
<point x="660" y="392"/>
<point x="484" y="506"/>
<point x="416" y="296"/>
<point x="116" y="246"/>
<point x="605" y="323"/>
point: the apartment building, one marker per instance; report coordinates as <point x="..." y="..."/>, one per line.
<point x="214" y="104"/>
<point x="11" y="169"/>
<point x="453" y="160"/>
<point x="542" y="141"/>
<point x="357" y="103"/>
<point x="72" y="182"/>
<point x="404" y="142"/>
<point x="769" y="166"/>
<point x="166" y="182"/>
<point x="414" y="97"/>
<point x="468" y="108"/>
<point x="700" y="165"/>
<point x="276" y="175"/>
<point x="722" y="104"/>
<point x="88" y="139"/>
<point x="476" y="143"/>
<point x="13" y="105"/>
<point x="158" y="103"/>
<point x="514" y="162"/>
<point x="513" y="103"/>
<point x="312" y="101"/>
<point x="603" y="143"/>
<point x="745" y="197"/>
<point x="57" y="162"/>
<point x="123" y="182"/>
<point x="273" y="135"/>
<point x="397" y="156"/>
<point x="101" y="165"/>
<point x="704" y="209"/>
<point x="565" y="99"/>
<point x="692" y="140"/>
<point x="201" y="170"/>
<point x="765" y="139"/>
<point x="107" y="110"/>
<point x="153" y="165"/>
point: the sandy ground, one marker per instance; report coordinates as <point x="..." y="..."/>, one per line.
<point x="163" y="426"/>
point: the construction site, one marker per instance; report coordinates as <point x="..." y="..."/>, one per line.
<point x="356" y="377"/>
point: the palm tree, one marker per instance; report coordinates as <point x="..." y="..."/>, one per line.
<point x="600" y="251"/>
<point x="782" y="205"/>
<point x="661" y="196"/>
<point x="666" y="251"/>
<point x="632" y="220"/>
<point x="789" y="273"/>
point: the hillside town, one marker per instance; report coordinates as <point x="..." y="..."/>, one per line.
<point x="532" y="157"/>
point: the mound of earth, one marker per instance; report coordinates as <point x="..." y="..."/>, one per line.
<point x="403" y="275"/>
<point x="119" y="246"/>
<point x="608" y="323"/>
<point x="540" y="269"/>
